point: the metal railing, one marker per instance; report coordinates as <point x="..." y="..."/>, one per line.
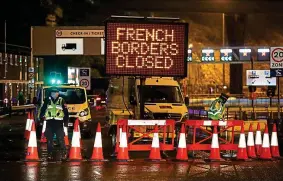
<point x="244" y="102"/>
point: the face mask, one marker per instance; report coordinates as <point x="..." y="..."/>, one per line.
<point x="54" y="95"/>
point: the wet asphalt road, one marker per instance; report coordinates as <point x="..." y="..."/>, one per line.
<point x="12" y="168"/>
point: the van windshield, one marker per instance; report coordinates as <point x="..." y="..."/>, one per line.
<point x="70" y="95"/>
<point x="162" y="94"/>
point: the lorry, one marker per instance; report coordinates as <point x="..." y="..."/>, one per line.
<point x="77" y="103"/>
<point x="163" y="100"/>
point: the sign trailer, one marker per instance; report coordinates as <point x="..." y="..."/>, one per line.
<point x="143" y="47"/>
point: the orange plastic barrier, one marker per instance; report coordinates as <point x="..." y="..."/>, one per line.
<point x="140" y="134"/>
<point x="224" y="125"/>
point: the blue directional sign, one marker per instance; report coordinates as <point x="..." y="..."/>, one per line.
<point x="190" y="57"/>
<point x="207" y="55"/>
<point x="276" y="72"/>
<point x="226" y="55"/>
<point x="263" y="54"/>
<point x="245" y="54"/>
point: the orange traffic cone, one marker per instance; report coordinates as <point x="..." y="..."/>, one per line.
<point x="274" y="143"/>
<point x="123" y="154"/>
<point x="32" y="153"/>
<point x="242" y="148"/>
<point x="75" y="151"/>
<point x="43" y="138"/>
<point x="155" y="150"/>
<point x="97" y="153"/>
<point x="66" y="139"/>
<point x="214" y="150"/>
<point x="265" y="149"/>
<point x="258" y="140"/>
<point x="182" y="146"/>
<point x="250" y="143"/>
<point x="27" y="127"/>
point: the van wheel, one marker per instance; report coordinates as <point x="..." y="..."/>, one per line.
<point x="74" y="49"/>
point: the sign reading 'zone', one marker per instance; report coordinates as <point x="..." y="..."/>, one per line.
<point x="146" y="49"/>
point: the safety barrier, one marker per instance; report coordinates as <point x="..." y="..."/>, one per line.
<point x="142" y="130"/>
<point x="224" y="126"/>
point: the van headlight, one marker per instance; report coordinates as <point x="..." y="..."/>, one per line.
<point x="85" y="112"/>
<point x="185" y="117"/>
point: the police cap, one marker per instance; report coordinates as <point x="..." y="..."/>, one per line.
<point x="224" y="96"/>
<point x="54" y="89"/>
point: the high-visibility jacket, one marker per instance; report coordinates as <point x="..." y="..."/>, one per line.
<point x="54" y="110"/>
<point x="216" y="110"/>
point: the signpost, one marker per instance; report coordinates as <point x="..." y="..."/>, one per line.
<point x="84" y="78"/>
<point x="260" y="78"/>
<point x="276" y="64"/>
<point x="67" y="40"/>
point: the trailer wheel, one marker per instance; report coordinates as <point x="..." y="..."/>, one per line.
<point x="113" y="135"/>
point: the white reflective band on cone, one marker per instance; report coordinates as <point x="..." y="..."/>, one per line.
<point x="123" y="141"/>
<point x="265" y="143"/>
<point x="120" y="134"/>
<point x="215" y="143"/>
<point x="207" y="123"/>
<point x="242" y="141"/>
<point x="182" y="141"/>
<point x="30" y="124"/>
<point x="258" y="139"/>
<point x="76" y="139"/>
<point x="27" y="124"/>
<point x="32" y="139"/>
<point x="250" y="139"/>
<point x="44" y="127"/>
<point x="66" y="131"/>
<point x="98" y="141"/>
<point x="274" y="140"/>
<point x="155" y="141"/>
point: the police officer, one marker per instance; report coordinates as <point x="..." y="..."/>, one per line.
<point x="217" y="108"/>
<point x="56" y="115"/>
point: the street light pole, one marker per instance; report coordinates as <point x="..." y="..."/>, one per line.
<point x="223" y="43"/>
<point x="5" y="50"/>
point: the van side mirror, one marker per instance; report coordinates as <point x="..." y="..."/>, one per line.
<point x="187" y="101"/>
<point x="133" y="100"/>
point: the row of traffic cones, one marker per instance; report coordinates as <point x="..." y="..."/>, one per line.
<point x="260" y="149"/>
<point x="75" y="150"/>
<point x="154" y="155"/>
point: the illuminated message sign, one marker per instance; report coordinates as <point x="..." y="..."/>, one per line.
<point x="226" y="55"/>
<point x="207" y="55"/>
<point x="146" y="49"/>
<point x="263" y="54"/>
<point x="190" y="57"/>
<point x="245" y="54"/>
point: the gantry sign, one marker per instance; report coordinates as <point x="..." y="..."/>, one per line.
<point x="146" y="48"/>
<point x="230" y="55"/>
<point x="67" y="40"/>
